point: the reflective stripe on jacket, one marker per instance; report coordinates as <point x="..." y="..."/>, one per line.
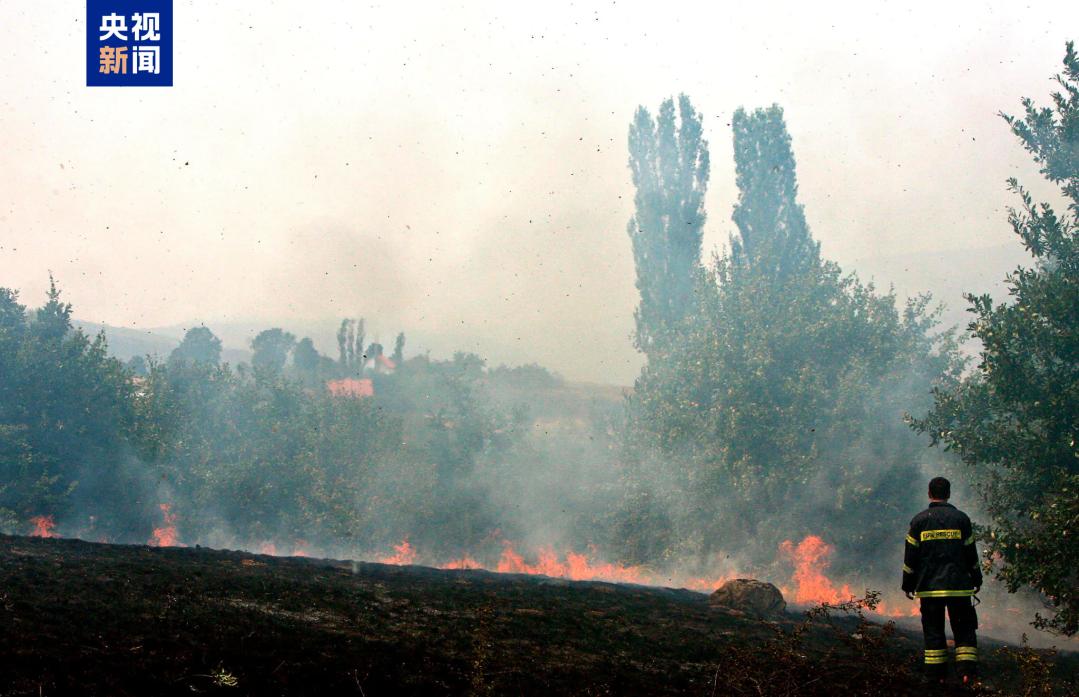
<point x="940" y="559"/>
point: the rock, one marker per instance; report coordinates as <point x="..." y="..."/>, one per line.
<point x="750" y="596"/>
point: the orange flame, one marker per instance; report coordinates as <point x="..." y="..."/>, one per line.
<point x="405" y="555"/>
<point x="888" y="609"/>
<point x="43" y="525"/>
<point x="811" y="558"/>
<point x="166" y="535"/>
<point x="576" y="567"/>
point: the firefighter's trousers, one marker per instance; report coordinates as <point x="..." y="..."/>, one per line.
<point x="964" y="621"/>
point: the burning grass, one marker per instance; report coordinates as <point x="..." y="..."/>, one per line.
<point x="95" y="619"/>
<point x="808" y="583"/>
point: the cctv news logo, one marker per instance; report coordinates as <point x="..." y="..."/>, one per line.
<point x="129" y="43"/>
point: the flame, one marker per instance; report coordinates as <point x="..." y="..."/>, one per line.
<point x="888" y="609"/>
<point x="166" y="536"/>
<point x="576" y="567"/>
<point x="43" y="525"/>
<point x="811" y="558"/>
<point x="405" y="555"/>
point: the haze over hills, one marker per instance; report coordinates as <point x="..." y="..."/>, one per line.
<point x="126" y="342"/>
<point x="947" y="274"/>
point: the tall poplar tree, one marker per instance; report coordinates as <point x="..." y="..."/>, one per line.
<point x="772" y="232"/>
<point x="669" y="161"/>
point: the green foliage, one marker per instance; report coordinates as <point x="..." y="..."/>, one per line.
<point x="778" y="412"/>
<point x="199" y="345"/>
<point x="1015" y="420"/>
<point x="455" y="432"/>
<point x="350" y="337"/>
<point x="271" y="349"/>
<point x="530" y="376"/>
<point x="67" y="423"/>
<point x="263" y="457"/>
<point x="137" y="365"/>
<point x="242" y="456"/>
<point x="305" y="359"/>
<point x="1037" y="670"/>
<point x="772" y="230"/>
<point x="669" y="162"/>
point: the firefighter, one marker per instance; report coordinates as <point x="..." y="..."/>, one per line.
<point x="940" y="566"/>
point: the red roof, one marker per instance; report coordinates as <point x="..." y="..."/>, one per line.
<point x="386" y="362"/>
<point x="351" y="387"/>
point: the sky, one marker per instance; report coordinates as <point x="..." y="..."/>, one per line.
<point x="459" y="171"/>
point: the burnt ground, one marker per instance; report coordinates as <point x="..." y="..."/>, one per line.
<point x="95" y="619"/>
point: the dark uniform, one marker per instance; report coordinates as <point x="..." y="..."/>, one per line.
<point x="940" y="566"/>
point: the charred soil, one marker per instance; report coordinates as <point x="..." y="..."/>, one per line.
<point x="95" y="619"/>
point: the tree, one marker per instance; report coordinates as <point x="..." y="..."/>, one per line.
<point x="305" y="357"/>
<point x="271" y="349"/>
<point x="669" y="162"/>
<point x="350" y="348"/>
<point x="136" y="365"/>
<point x="772" y="230"/>
<point x="52" y="321"/>
<point x="359" y="359"/>
<point x="67" y="423"/>
<point x="778" y="386"/>
<point x="199" y="345"/>
<point x="350" y="337"/>
<point x="399" y="349"/>
<point x="342" y="337"/>
<point x="1015" y="419"/>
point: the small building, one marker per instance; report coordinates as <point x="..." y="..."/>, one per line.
<point x="384" y="364"/>
<point x="356" y="388"/>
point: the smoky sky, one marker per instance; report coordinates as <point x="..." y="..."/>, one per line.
<point x="459" y="170"/>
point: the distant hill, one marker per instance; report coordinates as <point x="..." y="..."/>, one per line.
<point x="125" y="342"/>
<point x="946" y="274"/>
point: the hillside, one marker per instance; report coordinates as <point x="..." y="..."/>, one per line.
<point x="94" y="619"/>
<point x="125" y="343"/>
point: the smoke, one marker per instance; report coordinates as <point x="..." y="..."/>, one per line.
<point x="476" y="199"/>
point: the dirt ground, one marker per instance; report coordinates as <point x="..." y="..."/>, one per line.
<point x="92" y="619"/>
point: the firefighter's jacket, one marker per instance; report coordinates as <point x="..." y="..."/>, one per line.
<point x="940" y="559"/>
